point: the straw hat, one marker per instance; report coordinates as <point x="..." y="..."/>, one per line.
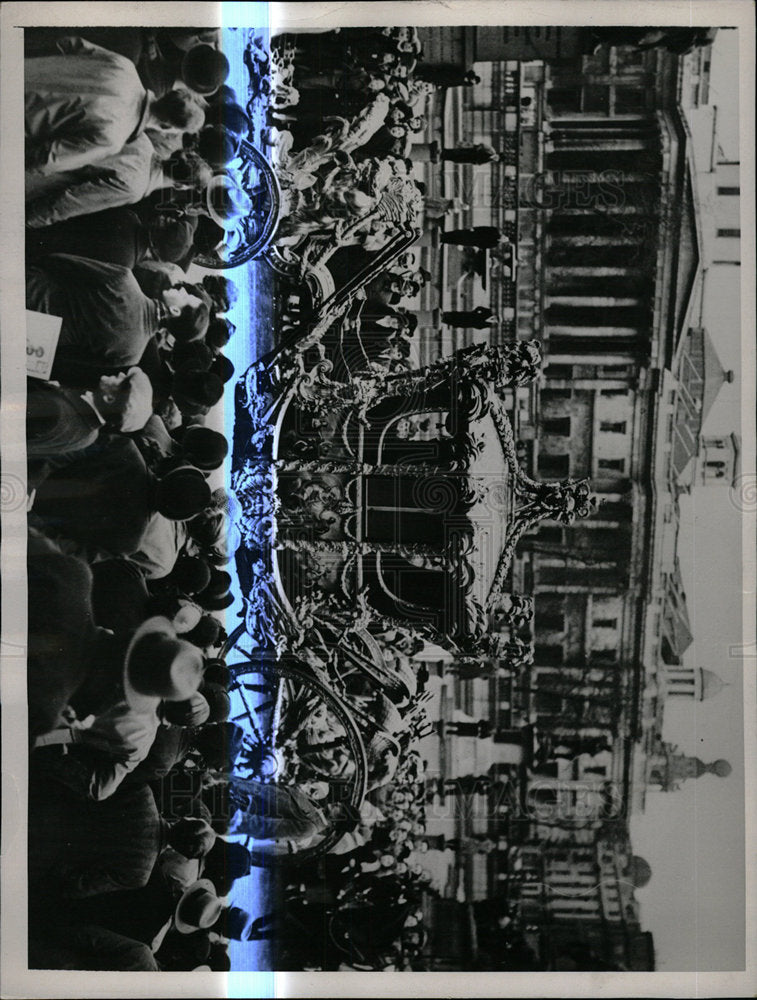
<point x="227" y="200"/>
<point x="137" y="408"/>
<point x="159" y="666"/>
<point x="198" y="908"/>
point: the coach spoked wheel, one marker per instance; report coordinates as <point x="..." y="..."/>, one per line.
<point x="301" y="775"/>
<point x="251" y="184"/>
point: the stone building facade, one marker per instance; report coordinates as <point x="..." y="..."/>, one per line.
<point x="595" y="191"/>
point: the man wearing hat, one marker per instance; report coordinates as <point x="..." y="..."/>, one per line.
<point x="216" y="672"/>
<point x="219" y="746"/>
<point x="100" y="497"/>
<point x="226" y="200"/>
<point x="224" y="863"/>
<point x="60" y="420"/>
<point x="483" y="237"/>
<point x="218" y="145"/>
<point x="219" y="334"/>
<point x="85" y="103"/>
<point x="185" y="952"/>
<point x="219" y="703"/>
<point x="197" y="355"/>
<point x="121" y="179"/>
<point x="60" y="628"/>
<point x="217" y="595"/>
<point x="154" y="441"/>
<point x="208" y="633"/>
<point x="204" y="448"/>
<point x="195" y="392"/>
<point x="104" y="497"/>
<point x="222" y="291"/>
<point x="223" y="367"/>
<point x="474" y="319"/>
<point x="234" y="924"/>
<point x="479" y="153"/>
<point x="446" y="75"/>
<point x="183" y="729"/>
<point x="202" y="68"/>
<point x="108" y="321"/>
<point x="182" y="494"/>
<point x="154" y="276"/>
<point x="80" y="848"/>
<point x="158" y="666"/>
<point x="189" y="576"/>
<point x="176" y="872"/>
<point x="215" y="535"/>
<point x="271" y="812"/>
<point x="159" y="547"/>
<point x="200" y="909"/>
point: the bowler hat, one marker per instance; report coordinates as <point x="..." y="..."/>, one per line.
<point x="159" y="666"/>
<point x="208" y="235"/>
<point x="182" y="493"/>
<point x="216" y="672"/>
<point x="196" y="388"/>
<point x="218" y="145"/>
<point x="193" y="355"/>
<point x="206" y="632"/>
<point x="204" y="448"/>
<point x="223" y="367"/>
<point x="204" y="69"/>
<point x="190" y="574"/>
<point x="225" y="94"/>
<point x="219" y="333"/>
<point x="198" y="908"/>
<point x="220" y="582"/>
<point x="234" y="923"/>
<point x="230" y="115"/>
<point x="171" y="238"/>
<point x="217" y="596"/>
<point x="225" y="862"/>
<point x="218" y="603"/>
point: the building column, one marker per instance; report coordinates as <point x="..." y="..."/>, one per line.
<point x="593" y="240"/>
<point x="600" y="251"/>
<point x="600" y="177"/>
<point x="572" y="348"/>
<point x="595" y="301"/>
<point x="563" y="142"/>
<point x="601" y="158"/>
<point x="681" y="682"/>
<point x="566" y="330"/>
<point x="564" y="357"/>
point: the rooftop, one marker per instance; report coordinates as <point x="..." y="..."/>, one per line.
<point x="700" y="377"/>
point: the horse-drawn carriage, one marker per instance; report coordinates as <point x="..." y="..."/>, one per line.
<point x="370" y="527"/>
